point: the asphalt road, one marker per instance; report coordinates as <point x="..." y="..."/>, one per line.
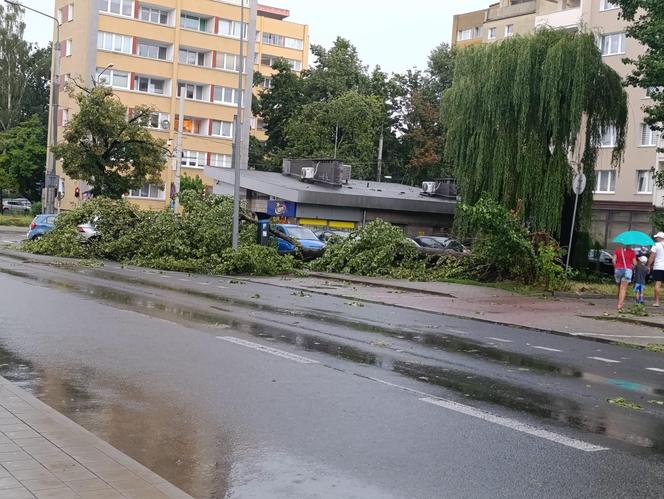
<point x="230" y="388"/>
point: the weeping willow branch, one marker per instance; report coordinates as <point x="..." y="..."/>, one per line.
<point x="520" y="110"/>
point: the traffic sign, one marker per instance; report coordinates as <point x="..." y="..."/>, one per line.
<point x="579" y="183"/>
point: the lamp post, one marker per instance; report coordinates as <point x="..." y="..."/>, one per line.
<point x="98" y="79"/>
<point x="54" y="99"/>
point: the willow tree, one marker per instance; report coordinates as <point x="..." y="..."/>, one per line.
<point x="524" y="114"/>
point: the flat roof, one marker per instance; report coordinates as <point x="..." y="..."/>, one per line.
<point x="364" y="194"/>
<point x="273" y="12"/>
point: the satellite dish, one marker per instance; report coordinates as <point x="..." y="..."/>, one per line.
<point x="165" y="124"/>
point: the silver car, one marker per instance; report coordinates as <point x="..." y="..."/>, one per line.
<point x="17" y="206"/>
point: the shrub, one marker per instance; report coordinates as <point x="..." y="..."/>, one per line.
<point x="36" y="208"/>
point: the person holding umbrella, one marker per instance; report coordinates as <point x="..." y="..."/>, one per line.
<point x="656" y="263"/>
<point x="624" y="260"/>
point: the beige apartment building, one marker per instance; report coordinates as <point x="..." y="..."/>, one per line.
<point x="151" y="51"/>
<point x="624" y="198"/>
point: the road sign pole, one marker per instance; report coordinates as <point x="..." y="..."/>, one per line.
<point x="571" y="232"/>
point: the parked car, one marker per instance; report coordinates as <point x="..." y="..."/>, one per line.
<point x="41" y="224"/>
<point x="601" y="260"/>
<point x="326" y="234"/>
<point x="442" y="243"/>
<point x="18" y="206"/>
<point x="312" y="247"/>
<point x="87" y="230"/>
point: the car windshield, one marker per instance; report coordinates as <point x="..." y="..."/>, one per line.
<point x="301" y="233"/>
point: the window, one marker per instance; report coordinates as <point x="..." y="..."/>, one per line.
<point x="191" y="125"/>
<point x="652" y="91"/>
<point x="613" y="44"/>
<point x="273" y="39"/>
<point x="120" y="7"/>
<point x="116" y="79"/>
<point x="464" y="34"/>
<point x="68" y="45"/>
<point x="608" y="5"/>
<point x="66" y="13"/>
<point x="608" y="137"/>
<point x="231" y="28"/>
<point x="605" y="181"/>
<point x="153" y="15"/>
<point x="266" y="83"/>
<point x="492" y="33"/>
<point x="222" y="129"/>
<point x="152" y="50"/>
<point x="197" y="23"/>
<point x="229" y="62"/>
<point x="149" y="191"/>
<point x="193" y="57"/>
<point x="158" y="120"/>
<point x="192" y="91"/>
<point x="649" y="137"/>
<point x="149" y="85"/>
<point x="509" y="30"/>
<point x="293" y="43"/>
<point x="269" y="60"/>
<point x="221" y="160"/>
<point x="193" y="159"/>
<point x="644" y="182"/>
<point x="225" y="95"/>
<point x="114" y="42"/>
<point x="65" y="116"/>
<point x="478" y="32"/>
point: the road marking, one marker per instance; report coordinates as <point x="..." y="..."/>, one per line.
<point x="546" y="348"/>
<point x="602" y="359"/>
<point x="600" y="335"/>
<point x="655" y="369"/>
<point x="514" y="425"/>
<point x="498" y="339"/>
<point x="457" y="331"/>
<point x="270" y="350"/>
<point x="510" y="423"/>
<point x="183" y="279"/>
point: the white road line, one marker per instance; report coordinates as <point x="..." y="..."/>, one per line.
<point x="602" y="359"/>
<point x="514" y="425"/>
<point x="456" y="331"/>
<point x="507" y="422"/>
<point x="546" y="348"/>
<point x="655" y="369"/>
<point x="270" y="350"/>
<point x="183" y="279"/>
<point x="498" y="339"/>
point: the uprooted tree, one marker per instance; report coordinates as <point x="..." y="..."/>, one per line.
<point x="106" y="147"/>
<point x="522" y="114"/>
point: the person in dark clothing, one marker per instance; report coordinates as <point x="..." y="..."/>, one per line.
<point x="640" y="275"/>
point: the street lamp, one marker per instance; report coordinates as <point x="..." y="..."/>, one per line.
<point x="109" y="66"/>
<point x="51" y="182"/>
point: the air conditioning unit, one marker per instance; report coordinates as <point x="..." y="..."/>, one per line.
<point x="307" y="173"/>
<point x="429" y="187"/>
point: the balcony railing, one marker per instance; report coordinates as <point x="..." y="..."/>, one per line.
<point x="516" y="10"/>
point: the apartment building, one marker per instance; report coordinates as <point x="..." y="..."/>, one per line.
<point x="624" y="198"/>
<point x="150" y="52"/>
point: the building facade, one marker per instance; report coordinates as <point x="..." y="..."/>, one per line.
<point x="625" y="197"/>
<point x="150" y="52"/>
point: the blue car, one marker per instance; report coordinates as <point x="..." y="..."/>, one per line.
<point x="41" y="224"/>
<point x="312" y="247"/>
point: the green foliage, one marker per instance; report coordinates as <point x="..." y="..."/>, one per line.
<point x="377" y="249"/>
<point x="658" y="220"/>
<point x="550" y="270"/>
<point x="109" y="151"/>
<point x="191" y="183"/>
<point x="23" y="156"/>
<point x="647" y="28"/>
<point x="15" y="220"/>
<point x="198" y="240"/>
<point x="36" y="208"/>
<point x="516" y="110"/>
<point x="501" y="242"/>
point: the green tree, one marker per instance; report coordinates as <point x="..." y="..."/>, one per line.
<point x="23" y="155"/>
<point x="515" y="113"/>
<point x="14" y="52"/>
<point x="647" y="17"/>
<point x="351" y="121"/>
<point x="107" y="149"/>
<point x="188" y="183"/>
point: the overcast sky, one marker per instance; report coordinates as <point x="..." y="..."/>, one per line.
<point x="395" y="34"/>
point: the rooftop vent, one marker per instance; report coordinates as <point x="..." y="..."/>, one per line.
<point x="330" y="172"/>
<point x="444" y="188"/>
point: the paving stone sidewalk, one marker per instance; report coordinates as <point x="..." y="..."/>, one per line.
<point x="43" y="455"/>
<point x="593" y="318"/>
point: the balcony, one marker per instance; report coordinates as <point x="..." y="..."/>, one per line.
<point x="570" y="18"/>
<point x="516" y="10"/>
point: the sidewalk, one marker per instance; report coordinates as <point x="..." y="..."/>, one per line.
<point x="592" y="318"/>
<point x="43" y="454"/>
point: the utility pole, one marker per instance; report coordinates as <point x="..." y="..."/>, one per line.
<point x="380" y="157"/>
<point x="177" y="157"/>
<point x="48" y="194"/>
<point x="336" y="139"/>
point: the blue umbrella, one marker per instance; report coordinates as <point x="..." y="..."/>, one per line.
<point x="634" y="238"/>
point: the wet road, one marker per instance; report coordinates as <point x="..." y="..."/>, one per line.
<point x="229" y="388"/>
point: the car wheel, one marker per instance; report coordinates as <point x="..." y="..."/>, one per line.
<point x="34" y="238"/>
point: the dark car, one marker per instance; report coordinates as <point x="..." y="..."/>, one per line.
<point x="312" y="247"/>
<point x="441" y="243"/>
<point x="41" y="224"/>
<point x="326" y="234"/>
